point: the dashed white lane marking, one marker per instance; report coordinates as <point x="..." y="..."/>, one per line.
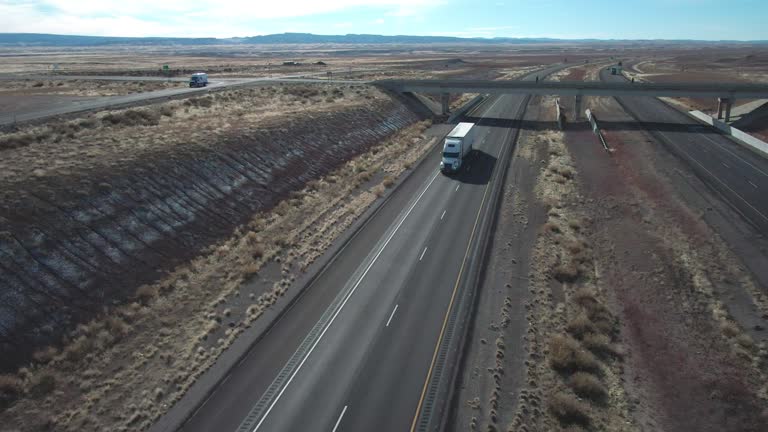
<point x="341" y="306"/>
<point x="443" y="215"/>
<point x="753" y="185"/>
<point x="338" y="422"/>
<point x="457" y="187"/>
<point x="422" y="253"/>
<point x="725" y="164"/>
<point x="391" y="315"/>
<point x="734" y="154"/>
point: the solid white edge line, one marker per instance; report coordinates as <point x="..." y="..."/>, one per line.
<point x="714" y="176"/>
<point x="341" y="306"/>
<point x="391" y="315"/>
<point x="422" y="253"/>
<point x="338" y="422"/>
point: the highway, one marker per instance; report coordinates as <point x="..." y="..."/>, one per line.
<point x="110" y="102"/>
<point x="357" y="349"/>
<point x="737" y="173"/>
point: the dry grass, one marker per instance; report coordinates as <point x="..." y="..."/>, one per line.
<point x="109" y="138"/>
<point x="83" y="87"/>
<point x="566" y="355"/>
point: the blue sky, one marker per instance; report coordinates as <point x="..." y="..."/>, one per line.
<point x="604" y="19"/>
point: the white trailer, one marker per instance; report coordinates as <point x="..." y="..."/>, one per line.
<point x="457" y="146"/>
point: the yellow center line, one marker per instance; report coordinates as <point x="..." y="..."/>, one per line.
<point x="447" y="313"/>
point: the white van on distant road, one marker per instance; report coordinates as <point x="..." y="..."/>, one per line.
<point x="199" y="79"/>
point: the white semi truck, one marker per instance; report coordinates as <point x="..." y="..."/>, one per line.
<point x="457" y="146"/>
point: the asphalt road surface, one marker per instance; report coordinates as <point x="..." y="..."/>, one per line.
<point x="355" y="351"/>
<point x="737" y="173"/>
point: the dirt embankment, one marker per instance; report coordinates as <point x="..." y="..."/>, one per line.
<point x="210" y="203"/>
<point x="94" y="208"/>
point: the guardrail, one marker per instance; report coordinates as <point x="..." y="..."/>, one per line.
<point x="596" y="129"/>
<point x="756" y="145"/>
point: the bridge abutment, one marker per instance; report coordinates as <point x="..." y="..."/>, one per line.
<point x="445" y="100"/>
<point x="577" y="107"/>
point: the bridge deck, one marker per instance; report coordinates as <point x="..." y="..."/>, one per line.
<point x="585" y="88"/>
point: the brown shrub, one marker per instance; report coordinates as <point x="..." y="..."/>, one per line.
<point x="16" y="141"/>
<point x="584" y="296"/>
<point x="116" y="327"/>
<point x="146" y="293"/>
<point x="567" y="355"/>
<point x="568" y="410"/>
<point x="729" y="328"/>
<point x="388" y="181"/>
<point x="42" y="385"/>
<point x="45" y="355"/>
<point x="745" y="341"/>
<point x="551" y="227"/>
<point x="204" y="102"/>
<point x="587" y="386"/>
<point x="132" y="118"/>
<point x="569" y="272"/>
<point x="599" y="344"/>
<point x="79" y="348"/>
<point x="601" y="317"/>
<point x="166" y="111"/>
<point x="10" y="385"/>
<point x="580" y="325"/>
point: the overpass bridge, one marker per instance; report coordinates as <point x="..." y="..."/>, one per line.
<point x="726" y="93"/>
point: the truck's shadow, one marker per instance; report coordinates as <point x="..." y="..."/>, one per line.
<point x="477" y="169"/>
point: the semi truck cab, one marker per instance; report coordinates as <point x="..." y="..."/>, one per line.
<point x="457" y="146"/>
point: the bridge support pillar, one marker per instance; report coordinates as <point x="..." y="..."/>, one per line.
<point x="728" y="110"/>
<point x="445" y="100"/>
<point x="577" y="108"/>
<point x="726" y="103"/>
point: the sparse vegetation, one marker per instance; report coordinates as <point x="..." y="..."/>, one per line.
<point x="567" y="355"/>
<point x="135" y="117"/>
<point x="587" y="386"/>
<point x="568" y="410"/>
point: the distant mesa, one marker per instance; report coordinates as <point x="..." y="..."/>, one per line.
<point x="40" y="39"/>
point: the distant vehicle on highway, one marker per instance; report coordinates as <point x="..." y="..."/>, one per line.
<point x="199" y="79"/>
<point x="457" y="146"/>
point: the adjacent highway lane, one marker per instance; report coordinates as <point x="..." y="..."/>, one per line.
<point x="738" y="174"/>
